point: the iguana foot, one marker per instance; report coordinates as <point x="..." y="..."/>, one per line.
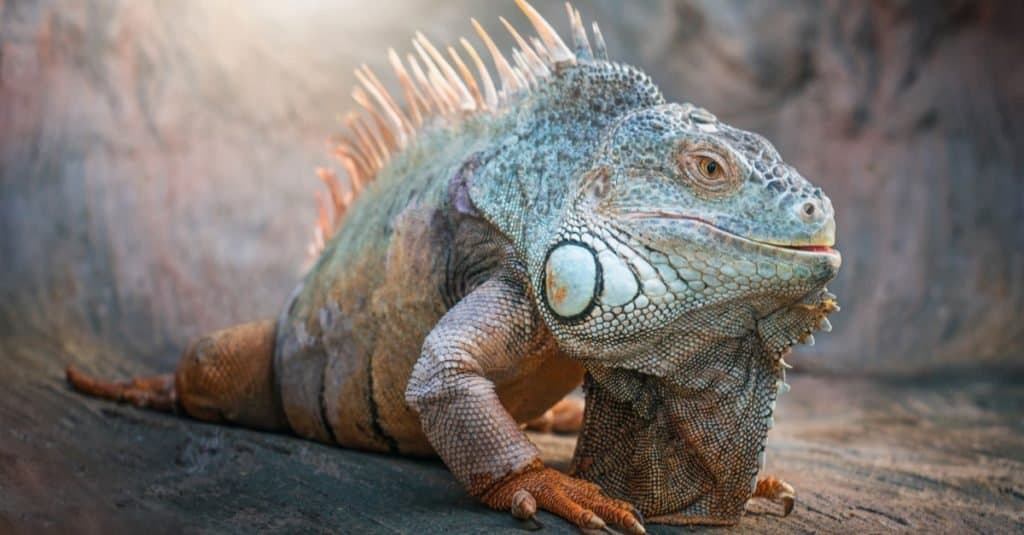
<point x="566" y="416"/>
<point x="777" y="491"/>
<point x="150" y="392"/>
<point x="575" y="500"/>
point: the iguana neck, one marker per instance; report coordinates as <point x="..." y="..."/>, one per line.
<point x="680" y="453"/>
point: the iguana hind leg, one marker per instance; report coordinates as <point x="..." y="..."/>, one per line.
<point x="225" y="376"/>
<point x="566" y="416"/>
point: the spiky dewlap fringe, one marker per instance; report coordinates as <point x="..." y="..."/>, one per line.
<point x="434" y="87"/>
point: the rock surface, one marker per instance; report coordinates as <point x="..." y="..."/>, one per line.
<point x="942" y="455"/>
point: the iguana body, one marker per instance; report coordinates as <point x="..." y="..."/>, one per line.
<point x="573" y="222"/>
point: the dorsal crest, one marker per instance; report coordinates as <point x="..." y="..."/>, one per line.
<point x="434" y="87"/>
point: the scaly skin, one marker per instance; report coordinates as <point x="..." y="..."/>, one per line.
<point x="582" y="226"/>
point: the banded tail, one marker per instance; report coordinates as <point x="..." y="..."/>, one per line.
<point x="224" y="377"/>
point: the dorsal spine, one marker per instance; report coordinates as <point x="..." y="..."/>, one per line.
<point x="438" y="89"/>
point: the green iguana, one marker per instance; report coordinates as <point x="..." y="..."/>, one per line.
<point x="499" y="246"/>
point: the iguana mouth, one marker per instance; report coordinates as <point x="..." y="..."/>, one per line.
<point x="808" y="248"/>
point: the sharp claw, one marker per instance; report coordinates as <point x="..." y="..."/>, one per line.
<point x="595" y="522"/>
<point x="598" y="531"/>
<point x="531" y="524"/>
<point x="637" y="527"/>
<point x="787" y="504"/>
<point x="639" y="516"/>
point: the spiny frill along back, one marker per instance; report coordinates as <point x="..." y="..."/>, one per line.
<point x="434" y="87"/>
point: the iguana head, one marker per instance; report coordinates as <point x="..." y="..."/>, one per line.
<point x="682" y="224"/>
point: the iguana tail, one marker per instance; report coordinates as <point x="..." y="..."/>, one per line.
<point x="226" y="376"/>
<point x="155" y="392"/>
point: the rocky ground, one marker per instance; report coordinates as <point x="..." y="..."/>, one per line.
<point x="943" y="454"/>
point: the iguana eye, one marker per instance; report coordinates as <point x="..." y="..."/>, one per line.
<point x="709" y="173"/>
<point x="709" y="167"/>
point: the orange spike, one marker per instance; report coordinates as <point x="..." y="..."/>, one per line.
<point x="412" y="95"/>
<point x="330" y="179"/>
<point x="523" y="69"/>
<point x="531" y="59"/>
<point x="467" y="77"/>
<point x="463" y="99"/>
<point x="542" y="53"/>
<point x="490" y="93"/>
<point x="510" y="83"/>
<point x="444" y="93"/>
<point x="323" y="219"/>
<point x="377" y="145"/>
<point x="364" y="147"/>
<point x="383" y="133"/>
<point x="388" y="104"/>
<point x="424" y="84"/>
<point x="556" y="48"/>
<point x="356" y="175"/>
<point x="349" y="154"/>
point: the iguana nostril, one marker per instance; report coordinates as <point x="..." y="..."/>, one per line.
<point x="810" y="211"/>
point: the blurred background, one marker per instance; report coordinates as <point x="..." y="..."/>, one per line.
<point x="157" y="157"/>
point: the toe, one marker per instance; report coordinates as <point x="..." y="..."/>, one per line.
<point x="616" y="512"/>
<point x="778" y="491"/>
<point x="567" y="508"/>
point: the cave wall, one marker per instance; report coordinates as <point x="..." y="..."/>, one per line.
<point x="156" y="157"/>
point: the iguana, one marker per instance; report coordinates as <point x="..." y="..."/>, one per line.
<point x="494" y="248"/>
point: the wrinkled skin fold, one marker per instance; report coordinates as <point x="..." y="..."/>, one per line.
<point x="687" y="449"/>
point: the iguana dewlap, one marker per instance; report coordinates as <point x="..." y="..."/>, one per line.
<point x="494" y="246"/>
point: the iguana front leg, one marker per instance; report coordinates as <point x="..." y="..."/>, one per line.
<point x="488" y="332"/>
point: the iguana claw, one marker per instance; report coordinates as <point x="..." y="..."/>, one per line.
<point x="787" y="504"/>
<point x="777" y="491"/>
<point x="606" y="529"/>
<point x="531" y="524"/>
<point x="524" y="507"/>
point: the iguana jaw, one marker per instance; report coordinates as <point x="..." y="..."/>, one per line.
<point x="820" y="243"/>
